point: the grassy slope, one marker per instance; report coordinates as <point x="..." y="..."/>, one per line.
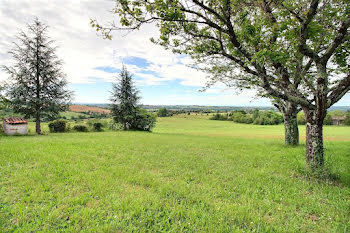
<point x="188" y="175"/>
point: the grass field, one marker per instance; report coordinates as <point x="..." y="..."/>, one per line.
<point x="189" y="175"/>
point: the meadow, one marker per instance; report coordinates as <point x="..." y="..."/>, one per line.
<point x="189" y="175"/>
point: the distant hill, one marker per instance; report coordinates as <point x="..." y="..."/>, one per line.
<point x="212" y="108"/>
<point x="190" y="107"/>
<point x="88" y="108"/>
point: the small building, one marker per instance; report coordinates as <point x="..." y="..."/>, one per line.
<point x="338" y="120"/>
<point x="15" y="125"/>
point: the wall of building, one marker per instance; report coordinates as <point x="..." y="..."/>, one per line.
<point x="15" y="129"/>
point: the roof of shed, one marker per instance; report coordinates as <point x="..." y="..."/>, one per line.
<point x="15" y="120"/>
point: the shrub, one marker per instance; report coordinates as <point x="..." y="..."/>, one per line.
<point x="301" y="118"/>
<point x="327" y="120"/>
<point x="80" y="128"/>
<point x="268" y="118"/>
<point x="98" y="126"/>
<point x="143" y="120"/>
<point x="58" y="126"/>
<point x="162" y="112"/>
<point x="218" y="117"/>
<point x="347" y="118"/>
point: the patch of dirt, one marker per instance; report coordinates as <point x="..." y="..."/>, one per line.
<point x="84" y="108"/>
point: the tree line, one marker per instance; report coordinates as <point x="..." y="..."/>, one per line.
<point x="256" y="117"/>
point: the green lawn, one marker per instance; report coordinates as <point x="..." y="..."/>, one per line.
<point x="189" y="175"/>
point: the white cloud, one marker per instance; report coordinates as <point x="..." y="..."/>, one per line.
<point x="223" y="98"/>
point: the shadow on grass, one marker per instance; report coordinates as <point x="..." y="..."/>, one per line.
<point x="323" y="175"/>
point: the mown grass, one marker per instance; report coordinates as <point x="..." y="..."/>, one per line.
<point x="189" y="175"/>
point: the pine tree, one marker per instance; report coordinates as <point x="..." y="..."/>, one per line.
<point x="37" y="86"/>
<point x="124" y="100"/>
<point x="2" y="98"/>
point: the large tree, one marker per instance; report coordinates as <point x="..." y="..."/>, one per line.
<point x="296" y="50"/>
<point x="124" y="99"/>
<point x="37" y="86"/>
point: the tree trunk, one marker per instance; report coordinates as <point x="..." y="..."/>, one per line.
<point x="37" y="125"/>
<point x="291" y="136"/>
<point x="314" y="138"/>
<point x="124" y="126"/>
<point x="289" y="112"/>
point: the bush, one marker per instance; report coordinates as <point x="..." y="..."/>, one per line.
<point x="80" y="128"/>
<point x="347" y="118"/>
<point x="240" y="117"/>
<point x="327" y="120"/>
<point x="301" y="118"/>
<point x="143" y="120"/>
<point x="218" y="117"/>
<point x="162" y="112"/>
<point x="58" y="126"/>
<point x="98" y="126"/>
<point x="268" y="118"/>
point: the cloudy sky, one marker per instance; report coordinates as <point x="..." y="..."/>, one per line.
<point x="92" y="63"/>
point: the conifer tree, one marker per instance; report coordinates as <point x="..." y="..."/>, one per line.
<point x="37" y="86"/>
<point x="124" y="99"/>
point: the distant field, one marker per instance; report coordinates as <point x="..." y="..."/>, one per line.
<point x="189" y="175"/>
<point x="84" y="108"/>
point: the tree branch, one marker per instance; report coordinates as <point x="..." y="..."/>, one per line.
<point x="342" y="32"/>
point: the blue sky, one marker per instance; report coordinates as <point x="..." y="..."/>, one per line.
<point x="163" y="92"/>
<point x="92" y="63"/>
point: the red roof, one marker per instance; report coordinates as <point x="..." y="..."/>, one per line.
<point x="15" y="120"/>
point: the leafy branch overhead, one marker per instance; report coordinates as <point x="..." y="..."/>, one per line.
<point x="269" y="40"/>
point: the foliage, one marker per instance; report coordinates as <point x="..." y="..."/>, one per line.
<point x="162" y="112"/>
<point x="327" y="120"/>
<point x="3" y="100"/>
<point x="268" y="118"/>
<point x="58" y="126"/>
<point x="241" y="116"/>
<point x="37" y="86"/>
<point x="338" y="113"/>
<point x="112" y="125"/>
<point x="257" y="117"/>
<point x="219" y="117"/>
<point x="143" y="120"/>
<point x="301" y="118"/>
<point x="347" y="118"/>
<point x="124" y="100"/>
<point x="80" y="128"/>
<point x="98" y="126"/>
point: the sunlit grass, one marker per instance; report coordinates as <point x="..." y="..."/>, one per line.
<point x="189" y="175"/>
